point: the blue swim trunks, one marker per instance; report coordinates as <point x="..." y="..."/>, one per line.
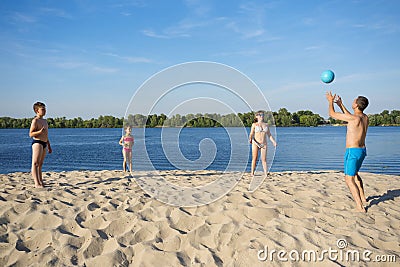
<point x="353" y="159"/>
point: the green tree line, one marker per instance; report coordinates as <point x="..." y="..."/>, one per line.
<point x="100" y="122"/>
<point x="281" y="118"/>
<point x="385" y="118"/>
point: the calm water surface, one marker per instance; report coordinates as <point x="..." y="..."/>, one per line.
<point x="319" y="148"/>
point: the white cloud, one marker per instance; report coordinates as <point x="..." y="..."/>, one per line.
<point x="152" y="34"/>
<point x="294" y="87"/>
<point x="126" y="14"/>
<point x="313" y="47"/>
<point x="383" y="26"/>
<point x="238" y="53"/>
<point x="309" y="21"/>
<point x="196" y="17"/>
<point x="130" y="59"/>
<point x="70" y="64"/>
<point x="103" y="69"/>
<point x="249" y="23"/>
<point x="199" y="8"/>
<point x="19" y="17"/>
<point x="359" y="26"/>
<point x="182" y="29"/>
<point x="128" y="3"/>
<point x="370" y="75"/>
<point x="55" y="12"/>
<point x="79" y="65"/>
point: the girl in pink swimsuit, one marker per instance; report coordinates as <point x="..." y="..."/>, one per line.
<point x="127" y="142"/>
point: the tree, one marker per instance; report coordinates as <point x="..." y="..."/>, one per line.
<point x="310" y="120"/>
<point x="161" y="119"/>
<point x="284" y="117"/>
<point x="152" y="121"/>
<point x="247" y="118"/>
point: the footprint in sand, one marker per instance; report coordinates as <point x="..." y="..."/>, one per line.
<point x="93" y="206"/>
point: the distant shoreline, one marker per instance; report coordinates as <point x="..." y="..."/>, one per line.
<point x="282" y="118"/>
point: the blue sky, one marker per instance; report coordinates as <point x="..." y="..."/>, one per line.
<point x="87" y="58"/>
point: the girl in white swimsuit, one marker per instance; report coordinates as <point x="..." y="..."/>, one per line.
<point x="258" y="138"/>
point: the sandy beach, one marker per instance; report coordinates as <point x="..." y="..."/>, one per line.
<point x="102" y="218"/>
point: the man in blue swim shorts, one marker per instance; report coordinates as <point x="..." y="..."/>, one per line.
<point x="357" y="126"/>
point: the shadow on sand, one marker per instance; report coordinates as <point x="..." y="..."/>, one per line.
<point x="389" y="195"/>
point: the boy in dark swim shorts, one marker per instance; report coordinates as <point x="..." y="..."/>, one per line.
<point x="39" y="133"/>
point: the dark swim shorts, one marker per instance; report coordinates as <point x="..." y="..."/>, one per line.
<point x="44" y="144"/>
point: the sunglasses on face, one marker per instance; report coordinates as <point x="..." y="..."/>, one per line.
<point x="260" y="114"/>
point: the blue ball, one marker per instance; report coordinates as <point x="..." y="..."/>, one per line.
<point x="327" y="76"/>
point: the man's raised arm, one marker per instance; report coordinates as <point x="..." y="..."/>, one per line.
<point x="346" y="116"/>
<point x="341" y="105"/>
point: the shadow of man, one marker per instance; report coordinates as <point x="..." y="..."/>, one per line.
<point x="389" y="195"/>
